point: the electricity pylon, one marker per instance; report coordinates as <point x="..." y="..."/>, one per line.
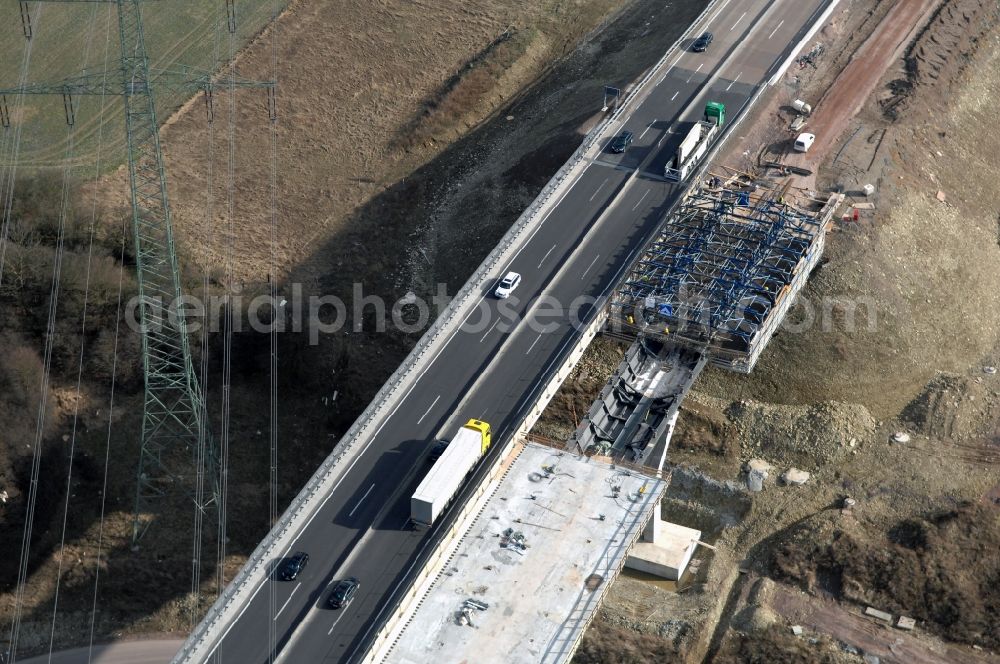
<point x="175" y="423"/>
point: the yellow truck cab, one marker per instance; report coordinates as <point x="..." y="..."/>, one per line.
<point x="449" y="472"/>
<point x="483" y="428"/>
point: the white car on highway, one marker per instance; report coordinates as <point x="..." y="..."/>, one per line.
<point x="507" y="285"/>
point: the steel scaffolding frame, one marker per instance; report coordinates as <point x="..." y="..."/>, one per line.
<point x="717" y="268"/>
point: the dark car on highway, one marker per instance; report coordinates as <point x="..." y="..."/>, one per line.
<point x="621" y="142"/>
<point x="343" y="592"/>
<point x="701" y="43"/>
<point x="294" y="566"/>
<point x="436" y="451"/>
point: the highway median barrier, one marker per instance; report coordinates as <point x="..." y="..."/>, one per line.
<point x="226" y="610"/>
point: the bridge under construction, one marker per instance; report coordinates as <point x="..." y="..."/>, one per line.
<point x="723" y="269"/>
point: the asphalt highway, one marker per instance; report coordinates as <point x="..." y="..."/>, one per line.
<point x="492" y="367"/>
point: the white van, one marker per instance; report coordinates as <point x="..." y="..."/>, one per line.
<point x="804" y="142"/>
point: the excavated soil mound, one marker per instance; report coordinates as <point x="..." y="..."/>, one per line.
<point x="953" y="407"/>
<point x="776" y="645"/>
<point x="939" y="56"/>
<point x="803" y="436"/>
<point x="941" y="569"/>
<point x="614" y="645"/>
<point x="915" y="288"/>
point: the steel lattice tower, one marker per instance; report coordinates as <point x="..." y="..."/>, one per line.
<point x="177" y="450"/>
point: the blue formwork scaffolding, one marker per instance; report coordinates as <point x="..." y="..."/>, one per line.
<point x="722" y="271"/>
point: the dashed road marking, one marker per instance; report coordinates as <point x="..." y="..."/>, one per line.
<point x="599" y="188"/>
<point x="636" y="206"/>
<point x="429" y="407"/>
<point x="528" y="352"/>
<point x="287" y="601"/>
<point x="551" y="249"/>
<point x="695" y="72"/>
<point x="366" y="495"/>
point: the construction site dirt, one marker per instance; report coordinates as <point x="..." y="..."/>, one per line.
<point x="896" y="332"/>
<point x="398" y="123"/>
<point x="892" y="332"/>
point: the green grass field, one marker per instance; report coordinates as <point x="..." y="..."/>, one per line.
<point x="70" y="37"/>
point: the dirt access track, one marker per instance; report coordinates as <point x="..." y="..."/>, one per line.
<point x="871" y="635"/>
<point x="499" y="94"/>
<point x="827" y="397"/>
<point x="861" y="76"/>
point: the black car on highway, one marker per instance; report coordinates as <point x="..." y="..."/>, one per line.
<point x="621" y="142"/>
<point x="701" y="43"/>
<point x="436" y="451"/>
<point x="343" y="592"/>
<point x="294" y="566"/>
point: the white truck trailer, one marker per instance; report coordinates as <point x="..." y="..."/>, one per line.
<point x="448" y="473"/>
<point x="696" y="143"/>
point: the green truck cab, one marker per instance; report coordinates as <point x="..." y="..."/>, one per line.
<point x="715" y="112"/>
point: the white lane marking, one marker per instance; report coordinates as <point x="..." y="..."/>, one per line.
<point x="413" y="386"/>
<point x="675" y="95"/>
<point x="489" y="330"/>
<point x="734" y="81"/>
<point x="428" y="409"/>
<point x="599" y="188"/>
<point x="528" y="352"/>
<point x="737" y="21"/>
<point x="287" y="601"/>
<point x="555" y="358"/>
<point x="644" y="194"/>
<point x="475" y="307"/>
<point x="776" y="29"/>
<point x="721" y="7"/>
<point x="390" y="415"/>
<point x="669" y="69"/>
<point x="335" y="623"/>
<point x="695" y="72"/>
<point x="644" y="131"/>
<point x="368" y="491"/>
<point x="546" y="256"/>
<point x="590" y="266"/>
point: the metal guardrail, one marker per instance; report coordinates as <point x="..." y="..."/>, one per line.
<point x="455" y="525"/>
<point x="638" y="87"/>
<point x="255" y="569"/>
<point x="802" y="42"/>
<point x="544" y="395"/>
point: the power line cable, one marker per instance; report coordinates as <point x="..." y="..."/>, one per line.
<point x="43" y="400"/>
<point x="83" y="327"/>
<point x="277" y="311"/>
<point x="107" y="443"/>
<point x="203" y="440"/>
<point x="230" y="310"/>
<point x="7" y="181"/>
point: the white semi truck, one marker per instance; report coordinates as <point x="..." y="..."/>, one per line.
<point x="696" y="143"/>
<point x="448" y="473"/>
